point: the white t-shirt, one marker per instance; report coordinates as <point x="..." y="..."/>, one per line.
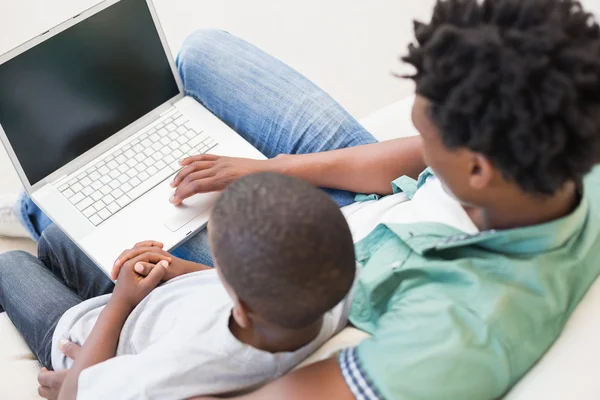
<point x="177" y="344"/>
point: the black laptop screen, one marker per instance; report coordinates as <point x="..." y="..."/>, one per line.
<point x="78" y="88"/>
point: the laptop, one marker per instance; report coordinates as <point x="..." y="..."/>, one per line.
<point x="95" y="120"/>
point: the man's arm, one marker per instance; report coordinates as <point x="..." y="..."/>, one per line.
<point x="320" y="381"/>
<point x="362" y="169"/>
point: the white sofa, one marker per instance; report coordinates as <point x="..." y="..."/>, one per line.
<point x="570" y="370"/>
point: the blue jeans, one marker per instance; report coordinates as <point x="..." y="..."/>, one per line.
<point x="271" y="105"/>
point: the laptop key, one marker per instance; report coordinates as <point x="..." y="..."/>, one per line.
<point x="114" y="173"/>
<point x="125" y="188"/>
<point x="108" y="199"/>
<point x="113" y="208"/>
<point x="148" y="162"/>
<point x="77" y="187"/>
<point x="106" y="189"/>
<point x="115" y="184"/>
<point x="94" y="176"/>
<point x="121" y="159"/>
<point x="104" y="214"/>
<point x="112" y="164"/>
<point x="86" y="181"/>
<point x="63" y="187"/>
<point x="131" y="163"/>
<point x="152" y="170"/>
<point x="123" y="178"/>
<point x="77" y="198"/>
<point x="85" y="203"/>
<point x="95" y="219"/>
<point x="123" y="201"/>
<point x="103" y="170"/>
<point x="155" y="137"/>
<point x="105" y="179"/>
<point x="88" y="190"/>
<point x="96" y="185"/>
<point x="96" y="196"/>
<point x="134" y="182"/>
<point x="131" y="173"/>
<point x="68" y="193"/>
<point x="99" y="205"/>
<point x="117" y="193"/>
<point x="143" y="176"/>
<point x="88" y="212"/>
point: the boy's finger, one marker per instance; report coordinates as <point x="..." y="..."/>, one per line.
<point x="149" y="254"/>
<point x="156" y="275"/>
<point x="69" y="348"/>
<point x="150" y="243"/>
<point x="143" y="268"/>
<point x="44" y="392"/>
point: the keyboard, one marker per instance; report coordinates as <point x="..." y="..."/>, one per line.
<point x="112" y="182"/>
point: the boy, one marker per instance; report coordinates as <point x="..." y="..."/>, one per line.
<point x="284" y="257"/>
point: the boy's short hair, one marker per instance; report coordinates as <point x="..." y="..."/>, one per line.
<point x="515" y="80"/>
<point x="284" y="247"/>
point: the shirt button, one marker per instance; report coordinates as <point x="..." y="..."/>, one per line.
<point x="396" y="265"/>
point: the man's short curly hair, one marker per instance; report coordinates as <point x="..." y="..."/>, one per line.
<point x="515" y="80"/>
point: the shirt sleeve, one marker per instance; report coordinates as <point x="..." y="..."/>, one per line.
<point x="427" y="348"/>
<point x="168" y="371"/>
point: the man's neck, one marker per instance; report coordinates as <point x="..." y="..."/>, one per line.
<point x="516" y="210"/>
<point x="274" y="339"/>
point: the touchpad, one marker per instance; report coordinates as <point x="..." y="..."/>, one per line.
<point x="178" y="216"/>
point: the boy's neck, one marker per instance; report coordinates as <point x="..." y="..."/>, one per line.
<point x="275" y="339"/>
<point x="516" y="210"/>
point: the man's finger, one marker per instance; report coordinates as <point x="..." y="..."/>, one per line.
<point x="186" y="190"/>
<point x="69" y="348"/>
<point x="189" y="169"/>
<point x="156" y="275"/>
<point x="143" y="268"/>
<point x="199" y="157"/>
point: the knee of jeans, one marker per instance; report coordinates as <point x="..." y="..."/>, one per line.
<point x="200" y="45"/>
<point x="14" y="262"/>
<point x="52" y="238"/>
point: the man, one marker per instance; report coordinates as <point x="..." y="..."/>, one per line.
<point x="462" y="293"/>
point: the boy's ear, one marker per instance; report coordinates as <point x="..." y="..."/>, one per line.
<point x="482" y="171"/>
<point x="240" y="315"/>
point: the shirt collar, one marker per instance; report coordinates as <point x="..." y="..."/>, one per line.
<point x="433" y="237"/>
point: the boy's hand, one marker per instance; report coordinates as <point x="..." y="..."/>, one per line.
<point x="132" y="288"/>
<point x="148" y="251"/>
<point x="145" y="255"/>
<point x="51" y="381"/>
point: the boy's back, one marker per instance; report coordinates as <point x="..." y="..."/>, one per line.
<point x="177" y="344"/>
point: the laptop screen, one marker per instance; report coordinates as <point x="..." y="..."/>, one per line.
<point x="73" y="91"/>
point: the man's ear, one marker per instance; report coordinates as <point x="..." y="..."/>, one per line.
<point x="482" y="171"/>
<point x="241" y="315"/>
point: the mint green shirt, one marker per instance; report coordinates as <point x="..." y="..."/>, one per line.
<point x="457" y="316"/>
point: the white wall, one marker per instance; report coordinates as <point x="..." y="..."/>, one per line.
<point x="348" y="47"/>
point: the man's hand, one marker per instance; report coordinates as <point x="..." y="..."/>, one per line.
<point x="145" y="255"/>
<point x="209" y="173"/>
<point x="50" y="381"/>
<point x="132" y="288"/>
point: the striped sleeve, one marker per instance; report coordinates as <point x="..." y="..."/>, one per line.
<point x="355" y="377"/>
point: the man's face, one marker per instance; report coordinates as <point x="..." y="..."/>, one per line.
<point x="455" y="167"/>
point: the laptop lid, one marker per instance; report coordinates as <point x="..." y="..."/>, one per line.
<point x="82" y="87"/>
